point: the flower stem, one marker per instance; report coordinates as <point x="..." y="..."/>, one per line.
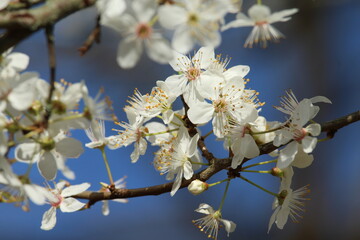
<point x="216" y="183"/>
<point x="257" y="164"/>
<point x="267" y="131"/>
<point x="259" y="2"/>
<point x="158" y="133"/>
<point x="324" y="139"/>
<point x="258" y="186"/>
<point x="224" y="196"/>
<point x="107" y="165"/>
<point x="199" y="163"/>
<point x="254" y="171"/>
<point x="208" y="134"/>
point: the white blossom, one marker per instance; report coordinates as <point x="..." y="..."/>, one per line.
<point x="288" y="203"/>
<point x="194" y="22"/>
<point x="213" y="220"/>
<point x="137" y="30"/>
<point x="260" y="18"/>
<point x="60" y="197"/>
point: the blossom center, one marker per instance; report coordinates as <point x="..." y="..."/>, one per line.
<point x="193" y="73"/>
<point x="58" y="202"/>
<point x="261" y="23"/>
<point x="193" y="19"/>
<point x="299" y="134"/>
<point x="220" y="105"/>
<point x="143" y="31"/>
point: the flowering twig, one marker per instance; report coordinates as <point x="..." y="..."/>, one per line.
<point x="216" y="166"/>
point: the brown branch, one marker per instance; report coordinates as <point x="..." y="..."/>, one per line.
<point x="23" y="23"/>
<point x="93" y="37"/>
<point x="23" y="4"/>
<point x="216" y="166"/>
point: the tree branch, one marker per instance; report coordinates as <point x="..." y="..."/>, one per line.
<point x="216" y="166"/>
<point x="22" y="23"/>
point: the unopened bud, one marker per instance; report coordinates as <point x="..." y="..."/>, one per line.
<point x="196" y="187"/>
<point x="277" y="172"/>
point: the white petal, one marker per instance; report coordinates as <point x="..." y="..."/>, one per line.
<point x="309" y="143"/>
<point x="272" y="218"/>
<point x="314" y="129"/>
<point x="170" y="16"/>
<point x="320" y="99"/>
<point x="241" y="22"/>
<point x="129" y="52"/>
<point x="144" y="9"/>
<point x="205" y="209"/>
<point x="229" y="225"/>
<point x="249" y="147"/>
<point x="188" y="171"/>
<point x="105" y="208"/>
<point x="177" y="183"/>
<point x="18" y="61"/>
<point x="49" y="219"/>
<point x="25" y="152"/>
<point x="201" y="113"/>
<point x="287" y="155"/>
<point x="47" y="166"/>
<point x="71" y="205"/>
<point x="159" y="50"/>
<point x="206" y="56"/>
<point x="35" y="193"/>
<point x="23" y="95"/>
<point x="182" y="40"/>
<point x="75" y="189"/>
<point x="69" y="147"/>
<point x="302" y="159"/>
<point x="282" y="16"/>
<point x="282" y="217"/>
<point x="237" y="72"/>
<point x="192" y="147"/>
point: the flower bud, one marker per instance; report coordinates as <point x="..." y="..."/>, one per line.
<point x="277" y="172"/>
<point x="196" y="187"/>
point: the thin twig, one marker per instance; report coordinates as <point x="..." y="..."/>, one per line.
<point x="216" y="166"/>
<point x="94" y="36"/>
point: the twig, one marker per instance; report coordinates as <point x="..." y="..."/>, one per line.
<point x="21" y="24"/>
<point x="49" y="32"/>
<point x="93" y="37"/>
<point x="216" y="166"/>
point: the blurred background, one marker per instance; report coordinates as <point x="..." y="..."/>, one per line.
<point x="320" y="56"/>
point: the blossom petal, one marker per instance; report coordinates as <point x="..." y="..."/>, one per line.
<point x="47" y="166"/>
<point x="49" y="219"/>
<point x="314" y="129"/>
<point x="188" y="171"/>
<point x="309" y="143"/>
<point x="287" y="155"/>
<point x="69" y="147"/>
<point x="35" y="193"/>
<point x="71" y="205"/>
<point x="129" y="52"/>
<point x="105" y="208"/>
<point x="229" y="226"/>
<point x="25" y="152"/>
<point x="302" y="159"/>
<point x="159" y="50"/>
<point x="18" y="61"/>
<point x="75" y="189"/>
<point x="182" y="40"/>
<point x="170" y="16"/>
<point x="177" y="183"/>
<point x="144" y="9"/>
<point x="200" y="113"/>
<point x="320" y="99"/>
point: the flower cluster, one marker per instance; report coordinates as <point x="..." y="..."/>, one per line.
<point x="37" y="117"/>
<point x="192" y="22"/>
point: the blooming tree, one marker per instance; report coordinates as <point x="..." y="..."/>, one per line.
<point x="37" y="116"/>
